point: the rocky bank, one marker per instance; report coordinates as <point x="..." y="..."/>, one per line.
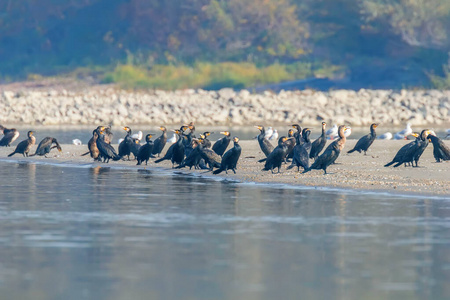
<point x="106" y="104"/>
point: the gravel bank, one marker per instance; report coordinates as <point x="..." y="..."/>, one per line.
<point x="92" y="105"/>
<point x="354" y="171"/>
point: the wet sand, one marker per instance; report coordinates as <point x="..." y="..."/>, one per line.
<point x="353" y="171"/>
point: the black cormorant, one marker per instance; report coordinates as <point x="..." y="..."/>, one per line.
<point x="25" y="145"/>
<point x="319" y="143"/>
<point x="160" y="142"/>
<point x="330" y="154"/>
<point x="301" y="151"/>
<point x="92" y="144"/>
<point x="423" y="144"/>
<point x="277" y="156"/>
<point x="9" y="136"/>
<point x="406" y="153"/>
<point x="194" y="157"/>
<point x="440" y="150"/>
<point x="230" y="158"/>
<point x="106" y="151"/>
<point x="145" y="152"/>
<point x="175" y="152"/>
<point x="264" y="143"/>
<point x="212" y="159"/>
<point x="126" y="144"/>
<point x="221" y="145"/>
<point x="364" y="143"/>
<point x="206" y="141"/>
<point x="45" y="146"/>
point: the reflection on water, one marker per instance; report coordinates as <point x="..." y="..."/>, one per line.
<point x="105" y="233"/>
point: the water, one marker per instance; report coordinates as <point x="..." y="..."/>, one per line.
<point x="104" y="233"/>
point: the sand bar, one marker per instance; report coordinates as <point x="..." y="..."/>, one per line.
<point x="353" y="171"/>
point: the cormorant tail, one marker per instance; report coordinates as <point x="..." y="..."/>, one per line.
<point x="290" y="167"/>
<point x="306" y="170"/>
<point x="218" y="171"/>
<point x="9" y="155"/>
<point x="159" y="160"/>
<point x="351" y="151"/>
<point x="388" y="164"/>
<point x="85" y="153"/>
<point x="262" y="160"/>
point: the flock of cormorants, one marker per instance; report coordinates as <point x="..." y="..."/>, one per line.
<point x="198" y="152"/>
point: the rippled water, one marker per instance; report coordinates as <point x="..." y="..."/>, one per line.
<point x="105" y="233"/>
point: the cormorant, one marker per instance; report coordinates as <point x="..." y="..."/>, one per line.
<point x="9" y="136"/>
<point x="126" y="144"/>
<point x="330" y="154"/>
<point x="423" y="144"/>
<point x="160" y="142"/>
<point x="135" y="146"/>
<point x="107" y="133"/>
<point x="319" y="143"/>
<point x="25" y="145"/>
<point x="366" y="141"/>
<point x="212" y="159"/>
<point x="92" y="144"/>
<point x="222" y="144"/>
<point x="175" y="152"/>
<point x="145" y="152"/>
<point x="264" y="143"/>
<point x="45" y="146"/>
<point x="405" y="154"/>
<point x="277" y="156"/>
<point x="206" y="142"/>
<point x="440" y="150"/>
<point x="298" y="132"/>
<point x="194" y="157"/>
<point x="106" y="151"/>
<point x="230" y="158"/>
<point x="301" y="151"/>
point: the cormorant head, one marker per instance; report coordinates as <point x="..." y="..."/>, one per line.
<point x="177" y="131"/>
<point x="191" y="126"/>
<point x="162" y="128"/>
<point x="415" y="134"/>
<point x="30" y="133"/>
<point x="290" y="132"/>
<point x="260" y="127"/>
<point x="148" y="137"/>
<point x="324" y="124"/>
<point x="126" y="128"/>
<point x="374" y="125"/>
<point x="236" y="139"/>
<point x="282" y="139"/>
<point x="226" y="133"/>
<point x="183" y="128"/>
<point x="296" y="126"/>
<point x="207" y="133"/>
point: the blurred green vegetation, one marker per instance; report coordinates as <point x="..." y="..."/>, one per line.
<point x="210" y="76"/>
<point x="212" y="43"/>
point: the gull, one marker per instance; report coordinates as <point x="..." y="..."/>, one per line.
<point x="77" y="142"/>
<point x="385" y="136"/>
<point x="173" y="139"/>
<point x="137" y="135"/>
<point x="401" y="135"/>
<point x="332" y="132"/>
<point x="274" y="136"/>
<point x="269" y="132"/>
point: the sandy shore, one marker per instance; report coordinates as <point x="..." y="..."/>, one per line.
<point x="353" y="171"/>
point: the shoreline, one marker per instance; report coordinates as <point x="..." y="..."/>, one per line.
<point x="353" y="173"/>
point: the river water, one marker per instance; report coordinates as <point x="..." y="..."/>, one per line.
<point x="83" y="232"/>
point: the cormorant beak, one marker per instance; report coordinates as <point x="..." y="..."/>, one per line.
<point x="259" y="127"/>
<point x="161" y="128"/>
<point x="375" y="126"/>
<point x="415" y="134"/>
